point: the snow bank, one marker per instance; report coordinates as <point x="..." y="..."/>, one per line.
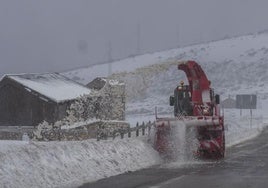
<point x="69" y="164"/>
<point x="242" y="128"/>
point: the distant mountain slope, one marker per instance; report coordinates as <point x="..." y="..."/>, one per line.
<point x="236" y="65"/>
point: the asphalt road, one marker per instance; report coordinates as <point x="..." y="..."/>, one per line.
<point x="245" y="166"/>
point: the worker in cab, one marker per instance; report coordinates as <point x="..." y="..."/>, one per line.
<point x="180" y="87"/>
<point x="182" y="97"/>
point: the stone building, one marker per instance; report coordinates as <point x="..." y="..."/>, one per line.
<point x="111" y="98"/>
<point x="29" y="99"/>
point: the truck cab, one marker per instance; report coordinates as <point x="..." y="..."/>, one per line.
<point x="182" y="101"/>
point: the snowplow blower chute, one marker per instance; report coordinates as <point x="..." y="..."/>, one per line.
<point x="196" y="108"/>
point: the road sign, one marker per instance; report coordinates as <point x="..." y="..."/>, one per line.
<point x="246" y="101"/>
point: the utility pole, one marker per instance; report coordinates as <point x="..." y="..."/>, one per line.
<point x="138" y="39"/>
<point x="178" y="35"/>
<point x="110" y="59"/>
<point x="178" y="26"/>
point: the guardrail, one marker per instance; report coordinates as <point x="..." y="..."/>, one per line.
<point x="104" y="134"/>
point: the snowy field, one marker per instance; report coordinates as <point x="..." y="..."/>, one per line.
<point x="235" y="66"/>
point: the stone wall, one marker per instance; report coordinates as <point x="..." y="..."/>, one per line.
<point x="16" y="132"/>
<point x="79" y="133"/>
<point x="50" y="133"/>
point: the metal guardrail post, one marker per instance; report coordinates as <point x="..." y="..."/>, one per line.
<point x="149" y="127"/>
<point x="143" y="128"/>
<point x="121" y="133"/>
<point x="98" y="135"/>
<point x="114" y="134"/>
<point x="129" y="133"/>
<point x="137" y="129"/>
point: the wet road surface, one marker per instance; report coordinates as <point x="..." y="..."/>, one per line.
<point x="245" y="166"/>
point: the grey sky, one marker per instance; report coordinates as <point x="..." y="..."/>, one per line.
<point x="55" y="35"/>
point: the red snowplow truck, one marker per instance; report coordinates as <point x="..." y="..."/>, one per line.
<point x="195" y="106"/>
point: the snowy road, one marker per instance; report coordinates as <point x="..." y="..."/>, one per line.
<point x="246" y="165"/>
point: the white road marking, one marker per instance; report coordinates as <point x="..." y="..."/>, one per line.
<point x="168" y="182"/>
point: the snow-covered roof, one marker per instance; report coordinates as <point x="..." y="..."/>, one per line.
<point x="52" y="85"/>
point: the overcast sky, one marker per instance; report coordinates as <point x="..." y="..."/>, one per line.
<point x="56" y="35"/>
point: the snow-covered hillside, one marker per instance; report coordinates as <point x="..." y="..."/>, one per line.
<point x="235" y="66"/>
<point x="242" y="58"/>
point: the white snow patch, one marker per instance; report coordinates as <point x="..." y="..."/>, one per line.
<point x="89" y="121"/>
<point x="62" y="164"/>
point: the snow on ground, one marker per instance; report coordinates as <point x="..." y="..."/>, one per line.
<point x="242" y="128"/>
<point x="69" y="164"/>
<point x="235" y="66"/>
